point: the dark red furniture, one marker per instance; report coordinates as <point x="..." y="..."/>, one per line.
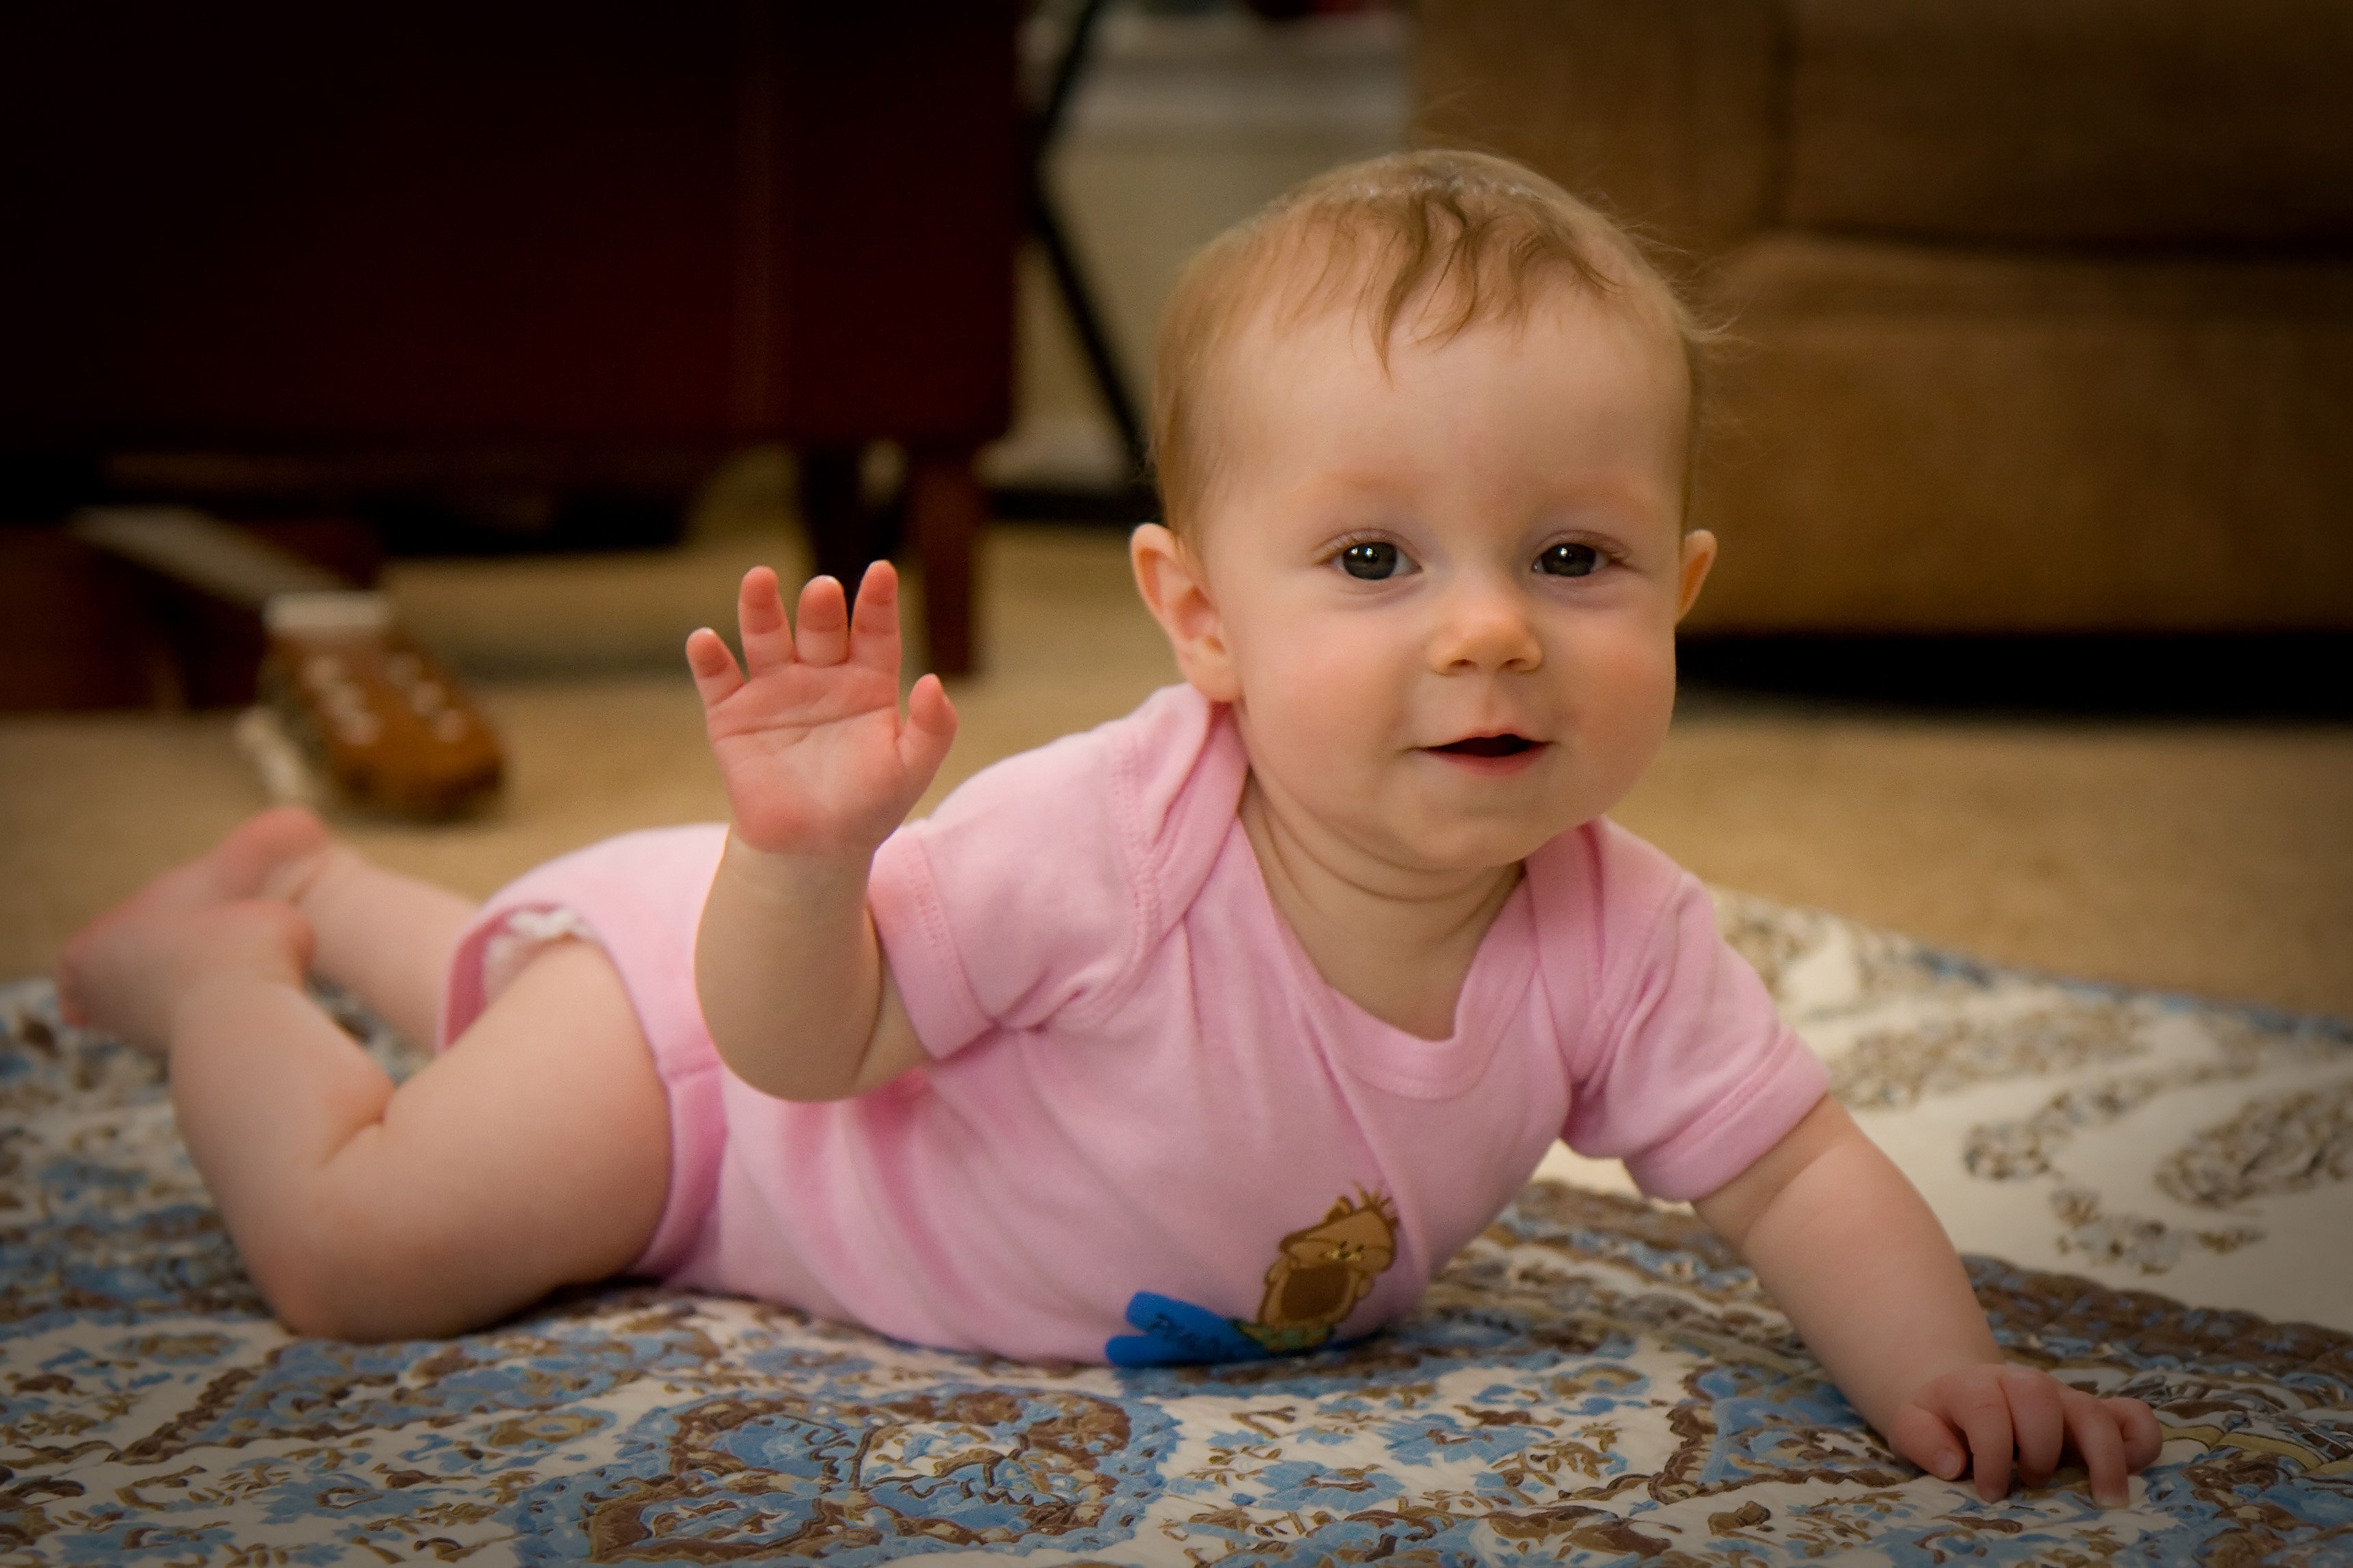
<point x="583" y="243"/>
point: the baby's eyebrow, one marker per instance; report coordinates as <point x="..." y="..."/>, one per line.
<point x="1612" y="507"/>
<point x="1382" y="486"/>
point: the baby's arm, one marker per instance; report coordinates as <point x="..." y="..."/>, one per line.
<point x="1854" y="1256"/>
<point x="820" y="768"/>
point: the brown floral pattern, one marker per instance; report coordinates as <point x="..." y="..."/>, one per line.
<point x="1594" y="1377"/>
<point x="2136" y="1137"/>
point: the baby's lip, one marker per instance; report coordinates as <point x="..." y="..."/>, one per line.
<point x="1502" y="743"/>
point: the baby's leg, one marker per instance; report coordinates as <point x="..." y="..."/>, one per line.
<point x="113" y="974"/>
<point x="534" y="1153"/>
<point x="385" y="936"/>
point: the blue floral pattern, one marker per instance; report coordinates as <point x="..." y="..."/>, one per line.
<point x="1594" y="1379"/>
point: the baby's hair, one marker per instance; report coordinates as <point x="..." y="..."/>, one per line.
<point x="1445" y="238"/>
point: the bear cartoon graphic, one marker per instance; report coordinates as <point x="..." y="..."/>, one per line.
<point x="1321" y="1272"/>
<point x="1318" y="1276"/>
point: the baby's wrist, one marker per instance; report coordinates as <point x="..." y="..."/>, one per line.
<point x="1881" y="1402"/>
<point x="801" y="841"/>
<point x="793" y="827"/>
<point x="798" y="877"/>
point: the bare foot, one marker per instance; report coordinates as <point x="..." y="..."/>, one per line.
<point x="118" y="972"/>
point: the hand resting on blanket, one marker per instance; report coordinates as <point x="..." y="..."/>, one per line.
<point x="1854" y="1256"/>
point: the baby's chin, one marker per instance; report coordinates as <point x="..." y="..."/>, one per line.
<point x="1459" y="841"/>
<point x="1434" y="815"/>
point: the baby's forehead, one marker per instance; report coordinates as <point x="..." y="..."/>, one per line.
<point x="1296" y="317"/>
<point x="1297" y="359"/>
<point x="1391" y="259"/>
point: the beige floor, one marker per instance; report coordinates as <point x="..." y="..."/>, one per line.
<point x="2201" y="858"/>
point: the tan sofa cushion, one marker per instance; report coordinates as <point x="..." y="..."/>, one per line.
<point x="1666" y="111"/>
<point x="2191" y="121"/>
<point x="1928" y="440"/>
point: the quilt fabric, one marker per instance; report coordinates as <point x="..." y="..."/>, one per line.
<point x="1595" y="1379"/>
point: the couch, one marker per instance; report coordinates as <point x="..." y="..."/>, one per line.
<point x="2039" y="311"/>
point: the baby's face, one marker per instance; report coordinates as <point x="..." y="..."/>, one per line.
<point x="1442" y="600"/>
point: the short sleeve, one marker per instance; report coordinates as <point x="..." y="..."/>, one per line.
<point x="1685" y="1070"/>
<point x="1035" y="888"/>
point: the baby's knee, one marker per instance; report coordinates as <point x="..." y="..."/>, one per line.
<point x="301" y="1283"/>
<point x="309" y="1304"/>
<point x="333" y="1274"/>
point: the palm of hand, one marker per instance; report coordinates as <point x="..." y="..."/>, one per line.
<point x="810" y="757"/>
<point x="814" y="755"/>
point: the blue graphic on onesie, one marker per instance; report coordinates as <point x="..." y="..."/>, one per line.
<point x="1177" y="1333"/>
<point x="1320" y="1275"/>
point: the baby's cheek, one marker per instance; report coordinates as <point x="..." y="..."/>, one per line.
<point x="1321" y="684"/>
<point x="1631" y="683"/>
<point x="1626" y="702"/>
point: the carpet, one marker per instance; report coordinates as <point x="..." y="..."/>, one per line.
<point x="1594" y="1379"/>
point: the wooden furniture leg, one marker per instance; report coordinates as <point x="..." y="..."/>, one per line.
<point x="945" y="510"/>
<point x="840" y="534"/>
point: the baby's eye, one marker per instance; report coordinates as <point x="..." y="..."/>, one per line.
<point x="1372" y="560"/>
<point x="1570" y="560"/>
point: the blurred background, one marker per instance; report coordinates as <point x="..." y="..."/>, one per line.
<point x="2028" y="438"/>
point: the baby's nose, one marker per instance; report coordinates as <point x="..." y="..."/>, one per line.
<point x="1485" y="627"/>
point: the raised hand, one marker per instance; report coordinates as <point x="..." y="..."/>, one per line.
<point x="1977" y="1416"/>
<point x="816" y="757"/>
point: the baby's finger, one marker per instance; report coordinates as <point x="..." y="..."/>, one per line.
<point x="716" y="679"/>
<point x="874" y="623"/>
<point x="824" y="635"/>
<point x="2038" y="1421"/>
<point x="1928" y="1441"/>
<point x="1983" y="1414"/>
<point x="2144" y="1440"/>
<point x="2100" y="1446"/>
<point x="760" y="619"/>
<point x="930" y="728"/>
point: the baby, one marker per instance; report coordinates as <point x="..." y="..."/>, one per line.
<point x="1210" y="1034"/>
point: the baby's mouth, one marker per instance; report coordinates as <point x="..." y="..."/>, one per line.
<point x="1488" y="746"/>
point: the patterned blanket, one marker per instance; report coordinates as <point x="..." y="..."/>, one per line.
<point x="1595" y="1379"/>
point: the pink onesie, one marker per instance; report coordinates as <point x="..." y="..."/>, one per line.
<point x="1148" y="1130"/>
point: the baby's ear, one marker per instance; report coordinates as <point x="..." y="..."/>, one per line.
<point x="1168" y="574"/>
<point x="1698" y="555"/>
